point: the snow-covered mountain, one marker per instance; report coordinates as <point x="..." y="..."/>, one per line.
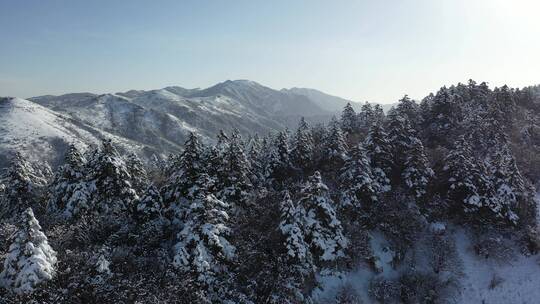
<point x="328" y="102"/>
<point x="159" y="120"/>
<point x="43" y="135"/>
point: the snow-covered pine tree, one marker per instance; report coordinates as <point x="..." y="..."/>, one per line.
<point x="323" y="231"/>
<point x="236" y="182"/>
<point x="335" y="147"/>
<point x="30" y="260"/>
<point x="379" y="151"/>
<point x="464" y="179"/>
<point x="401" y="137"/>
<point x="292" y="229"/>
<point x="137" y="171"/>
<point x="408" y="109"/>
<point x="203" y="250"/>
<point x="186" y="172"/>
<point x="378" y="114"/>
<point x="20" y="187"/>
<point x="295" y="262"/>
<point x="68" y="193"/>
<point x="365" y="116"/>
<point x="359" y="188"/>
<point x="150" y="206"/>
<point x="279" y="166"/>
<point x="348" y="119"/>
<point x="417" y="173"/>
<point x="112" y="192"/>
<point x="302" y="151"/>
<point x="256" y="162"/>
<point x="214" y="163"/>
<point x="509" y="186"/>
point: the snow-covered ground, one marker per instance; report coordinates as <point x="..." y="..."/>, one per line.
<point x="482" y="281"/>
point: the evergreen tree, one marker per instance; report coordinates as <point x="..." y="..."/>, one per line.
<point x="69" y="190"/>
<point x="236" y="183"/>
<point x="21" y="187"/>
<point x="465" y="181"/>
<point x="291" y="227"/>
<point x="358" y="186"/>
<point x="408" y="109"/>
<point x="417" y="172"/>
<point x="150" y="206"/>
<point x="137" y="171"/>
<point x="256" y="161"/>
<point x="111" y="188"/>
<point x="302" y="152"/>
<point x="186" y="172"/>
<point x="295" y="264"/>
<point x="379" y="152"/>
<point x="203" y="250"/>
<point x="335" y="146"/>
<point x="348" y="119"/>
<point x="279" y="166"/>
<point x="401" y="136"/>
<point x="30" y="260"/>
<point x="323" y="231"/>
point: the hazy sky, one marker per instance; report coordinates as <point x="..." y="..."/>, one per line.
<point x="362" y="50"/>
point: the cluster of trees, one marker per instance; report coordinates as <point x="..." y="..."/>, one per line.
<point x="255" y="220"/>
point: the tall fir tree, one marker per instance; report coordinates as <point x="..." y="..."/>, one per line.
<point x="69" y="192"/>
<point x="138" y="173"/>
<point x="302" y="151"/>
<point x="21" y="187"/>
<point x="187" y="170"/>
<point x="359" y="188"/>
<point x="464" y="179"/>
<point x="204" y="251"/>
<point x="236" y="183"/>
<point x="379" y="151"/>
<point x="323" y="231"/>
<point x="417" y="172"/>
<point x="348" y="120"/>
<point x="30" y="260"/>
<point x="335" y="147"/>
<point x="110" y="186"/>
<point x="279" y="167"/>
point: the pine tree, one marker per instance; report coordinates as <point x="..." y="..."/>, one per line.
<point x="408" y="109"/>
<point x="291" y="227"/>
<point x="137" y="171"/>
<point x="348" y="119"/>
<point x="236" y="183"/>
<point x="358" y="186"/>
<point x="417" y="172"/>
<point x="186" y="171"/>
<point x="294" y="264"/>
<point x="150" y="206"/>
<point x="379" y="152"/>
<point x="21" y="186"/>
<point x="324" y="232"/>
<point x="203" y="250"/>
<point x="401" y="136"/>
<point x="302" y="152"/>
<point x="335" y="146"/>
<point x="509" y="185"/>
<point x="69" y="190"/>
<point x="256" y="161"/>
<point x="111" y="189"/>
<point x="465" y="181"/>
<point x="30" y="260"/>
<point x="279" y="166"/>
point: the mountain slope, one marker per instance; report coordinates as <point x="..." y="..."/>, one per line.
<point x="160" y="120"/>
<point x="42" y="134"/>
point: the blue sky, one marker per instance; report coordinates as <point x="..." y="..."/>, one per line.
<point x="362" y="50"/>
